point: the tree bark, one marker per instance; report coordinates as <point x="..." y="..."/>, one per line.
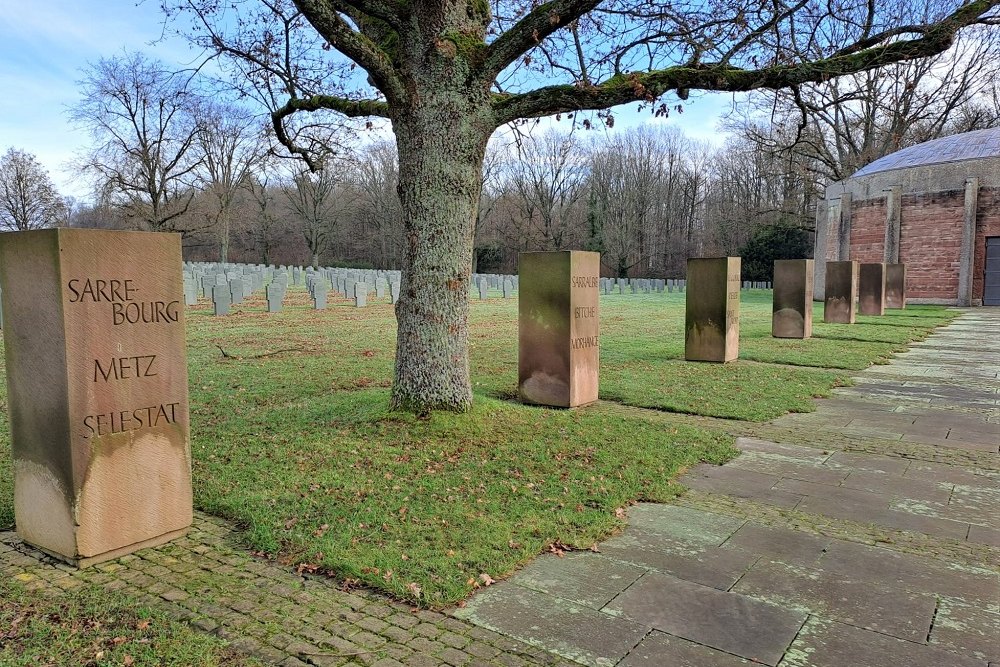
<point x="224" y="251"/>
<point x="441" y="140"/>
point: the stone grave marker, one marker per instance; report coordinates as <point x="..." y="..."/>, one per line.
<point x="508" y="288"/>
<point x="190" y="292"/>
<point x="319" y="292"/>
<point x="792" y="303"/>
<point x="275" y="292"/>
<point x="97" y="390"/>
<point x="236" y="291"/>
<point x="360" y="294"/>
<point x="394" y="291"/>
<point x="871" y="289"/>
<point x="380" y="288"/>
<point x="895" y="286"/>
<point x="558" y="328"/>
<point x="483" y="288"/>
<point x="841" y="290"/>
<point x="712" y="311"/>
<point x="221" y="299"/>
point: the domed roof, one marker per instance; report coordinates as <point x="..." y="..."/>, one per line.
<point x="955" y="148"/>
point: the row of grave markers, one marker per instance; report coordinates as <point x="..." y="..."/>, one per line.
<point x="558" y="318"/>
<point x="230" y="284"/>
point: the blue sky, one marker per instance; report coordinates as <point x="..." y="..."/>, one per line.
<point x="44" y="46"/>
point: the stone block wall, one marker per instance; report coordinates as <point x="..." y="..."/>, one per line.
<point x="868" y="230"/>
<point x="931" y="243"/>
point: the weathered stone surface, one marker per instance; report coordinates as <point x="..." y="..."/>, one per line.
<point x="898" y="486"/>
<point x="843" y="507"/>
<point x="663" y="650"/>
<point x="564" y="628"/>
<point x="967" y="628"/>
<point x="984" y="535"/>
<point x="841" y="291"/>
<point x="729" y="622"/>
<point x="558" y="339"/>
<point x="895" y="286"/>
<point x="740" y="483"/>
<point x="788" y="467"/>
<point x="97" y="385"/>
<point x="788" y="546"/>
<point x="581" y="577"/>
<point x="793" y="295"/>
<point x="895" y="612"/>
<point x="825" y="643"/>
<point x="683" y="523"/>
<point x="871" y="289"/>
<point x="703" y="565"/>
<point x="712" y="314"/>
<point x="913" y="573"/>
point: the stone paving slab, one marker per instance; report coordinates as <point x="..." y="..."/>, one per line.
<point x="683" y="524"/>
<point x="716" y="568"/>
<point x="791" y="546"/>
<point x="824" y="643"/>
<point x="967" y="628"/>
<point x="740" y="483"/>
<point x="738" y="624"/>
<point x="892" y="611"/>
<point x="572" y="631"/>
<point x="590" y="582"/>
<point x="659" y="649"/>
<point x="913" y="573"/>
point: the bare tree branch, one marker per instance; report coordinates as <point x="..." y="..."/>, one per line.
<point x="531" y="31"/>
<point x="648" y="86"/>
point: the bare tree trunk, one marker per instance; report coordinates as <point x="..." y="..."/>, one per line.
<point x="224" y="234"/>
<point x="442" y="142"/>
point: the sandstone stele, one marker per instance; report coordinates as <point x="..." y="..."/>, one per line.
<point x="559" y="327"/>
<point x="97" y="390"/>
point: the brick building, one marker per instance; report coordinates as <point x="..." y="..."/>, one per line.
<point x="934" y="207"/>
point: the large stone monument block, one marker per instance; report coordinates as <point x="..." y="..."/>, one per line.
<point x="871" y="289"/>
<point x="712" y="317"/>
<point x="841" y="291"/>
<point x="558" y="316"/>
<point x="97" y="390"/>
<point x="895" y="286"/>
<point x="791" y="315"/>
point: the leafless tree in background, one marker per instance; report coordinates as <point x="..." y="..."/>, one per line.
<point x="317" y="201"/>
<point x="141" y="117"/>
<point x="28" y="199"/>
<point x="231" y="144"/>
<point x="379" y="219"/>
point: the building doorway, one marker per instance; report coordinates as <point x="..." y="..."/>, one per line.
<point x="991" y="282"/>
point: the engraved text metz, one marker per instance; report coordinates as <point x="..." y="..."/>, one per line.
<point x="125" y="307"/>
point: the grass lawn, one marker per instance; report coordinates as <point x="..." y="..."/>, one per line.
<point x="292" y="438"/>
<point x="89" y="626"/>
